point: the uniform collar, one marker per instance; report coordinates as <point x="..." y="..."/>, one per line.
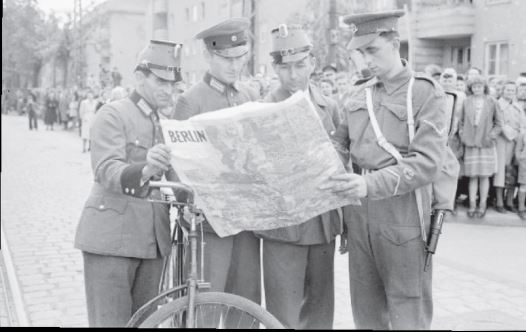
<point x="219" y="85"/>
<point x="142" y="104"/>
<point x="393" y="84"/>
<point x="316" y="96"/>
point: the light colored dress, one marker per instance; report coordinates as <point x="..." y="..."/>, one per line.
<point x="87" y="113"/>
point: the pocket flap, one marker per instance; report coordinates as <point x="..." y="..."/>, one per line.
<point x="398" y="110"/>
<point x="104" y="203"/>
<point x="400" y="235"/>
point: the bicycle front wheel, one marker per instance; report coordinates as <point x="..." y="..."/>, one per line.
<point x="213" y="310"/>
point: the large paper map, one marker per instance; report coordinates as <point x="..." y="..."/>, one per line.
<point x="257" y="166"/>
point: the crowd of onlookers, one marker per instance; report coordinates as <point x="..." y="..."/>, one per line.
<point x="69" y="109"/>
<point x="486" y="119"/>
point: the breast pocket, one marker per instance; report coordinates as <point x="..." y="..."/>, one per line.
<point x="394" y="125"/>
<point x="357" y="120"/>
<point x="137" y="147"/>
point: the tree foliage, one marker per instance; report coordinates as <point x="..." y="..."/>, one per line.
<point x="29" y="39"/>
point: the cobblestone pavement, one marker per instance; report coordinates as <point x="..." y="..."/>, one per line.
<point x="45" y="181"/>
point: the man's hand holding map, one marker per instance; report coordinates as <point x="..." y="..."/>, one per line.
<point x="257" y="166"/>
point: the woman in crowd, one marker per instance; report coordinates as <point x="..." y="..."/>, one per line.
<point x="50" y="113"/>
<point x="479" y="127"/>
<point x="86" y="113"/>
<point x="512" y="119"/>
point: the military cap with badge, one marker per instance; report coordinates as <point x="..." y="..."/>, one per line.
<point x="163" y="59"/>
<point x="290" y="43"/>
<point x="366" y="28"/>
<point x="228" y="39"/>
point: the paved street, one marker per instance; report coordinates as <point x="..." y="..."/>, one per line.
<point x="478" y="271"/>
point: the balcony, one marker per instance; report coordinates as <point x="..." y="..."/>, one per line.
<point x="160" y="6"/>
<point x="444" y="19"/>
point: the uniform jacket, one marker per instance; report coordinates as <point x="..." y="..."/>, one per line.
<point x="117" y="218"/>
<point x="423" y="158"/>
<point x="211" y="95"/>
<point x="489" y="126"/>
<point x="324" y="228"/>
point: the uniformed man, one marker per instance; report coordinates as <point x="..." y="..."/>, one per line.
<point x="123" y="237"/>
<point x="298" y="261"/>
<point x="231" y="263"/>
<point x="386" y="234"/>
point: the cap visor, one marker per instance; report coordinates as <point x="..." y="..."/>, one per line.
<point x="294" y="57"/>
<point x="232" y="52"/>
<point x="361" y="41"/>
<point x="164" y="74"/>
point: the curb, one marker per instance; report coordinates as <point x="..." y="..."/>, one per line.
<point x="13" y="282"/>
<point x="492" y="218"/>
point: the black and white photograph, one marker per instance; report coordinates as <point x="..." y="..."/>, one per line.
<point x="264" y="164"/>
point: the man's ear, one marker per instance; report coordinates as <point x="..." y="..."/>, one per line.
<point x="207" y="55"/>
<point x="396" y="43"/>
<point x="140" y="77"/>
<point x="314" y="62"/>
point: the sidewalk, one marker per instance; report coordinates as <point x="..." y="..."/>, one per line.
<point x="492" y="218"/>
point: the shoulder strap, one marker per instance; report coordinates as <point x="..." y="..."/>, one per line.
<point x="380" y="138"/>
<point x="389" y="148"/>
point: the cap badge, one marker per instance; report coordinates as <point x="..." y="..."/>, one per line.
<point x="283" y="31"/>
<point x="177" y="50"/>
<point x="234" y="38"/>
<point x="353" y="28"/>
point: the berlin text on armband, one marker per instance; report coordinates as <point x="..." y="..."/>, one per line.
<point x="194" y="136"/>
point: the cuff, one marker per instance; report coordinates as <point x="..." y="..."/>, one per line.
<point x="131" y="181"/>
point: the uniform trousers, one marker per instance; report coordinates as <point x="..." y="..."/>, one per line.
<point x="389" y="288"/>
<point x="231" y="264"/>
<point x="117" y="286"/>
<point x="299" y="283"/>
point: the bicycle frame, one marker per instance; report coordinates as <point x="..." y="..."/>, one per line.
<point x="193" y="282"/>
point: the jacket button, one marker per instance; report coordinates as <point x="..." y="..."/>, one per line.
<point x="126" y="190"/>
<point x="101" y="207"/>
<point x="137" y="142"/>
<point x="133" y="191"/>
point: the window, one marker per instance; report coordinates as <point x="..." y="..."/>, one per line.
<point x="203" y="7"/>
<point x="496" y="2"/>
<point x="223" y="8"/>
<point x="236" y="9"/>
<point x="460" y="58"/>
<point x="497" y="58"/>
<point x="160" y="21"/>
<point x="187" y="14"/>
<point x="195" y="13"/>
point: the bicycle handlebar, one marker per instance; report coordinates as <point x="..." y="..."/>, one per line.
<point x="178" y="186"/>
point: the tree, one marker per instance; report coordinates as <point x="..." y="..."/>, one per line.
<point x="29" y="39"/>
<point x="319" y="27"/>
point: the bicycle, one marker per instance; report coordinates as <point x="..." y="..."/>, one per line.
<point x="180" y="302"/>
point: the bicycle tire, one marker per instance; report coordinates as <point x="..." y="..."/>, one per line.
<point x="176" y="309"/>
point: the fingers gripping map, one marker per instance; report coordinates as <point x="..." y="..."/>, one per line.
<point x="257" y="166"/>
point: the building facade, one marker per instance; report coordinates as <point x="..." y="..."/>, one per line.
<point x="114" y="33"/>
<point x="487" y="34"/>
